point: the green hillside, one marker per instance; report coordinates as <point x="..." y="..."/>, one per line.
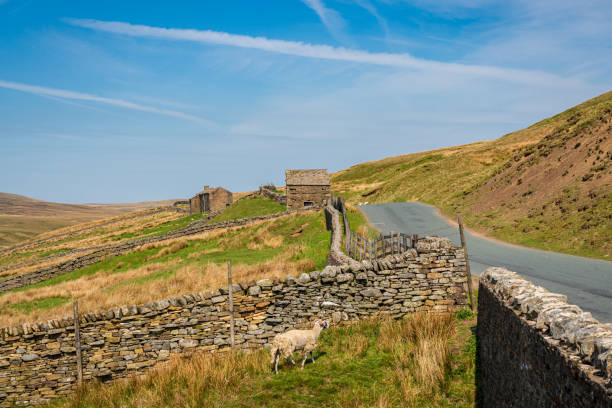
<point x="547" y="186"/>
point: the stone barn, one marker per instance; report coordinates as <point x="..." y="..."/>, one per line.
<point x="307" y="188"/>
<point x="211" y="200"/>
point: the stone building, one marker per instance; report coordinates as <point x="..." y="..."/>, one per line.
<point x="306" y="188"/>
<point x="210" y="200"/>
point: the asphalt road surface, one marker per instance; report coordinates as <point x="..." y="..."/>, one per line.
<point x="586" y="282"/>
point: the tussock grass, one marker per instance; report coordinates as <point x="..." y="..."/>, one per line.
<point x="196" y="381"/>
<point x="372" y="363"/>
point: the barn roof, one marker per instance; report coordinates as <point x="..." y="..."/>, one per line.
<point x="316" y="177"/>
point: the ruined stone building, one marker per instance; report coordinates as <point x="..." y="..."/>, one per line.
<point x="211" y="200"/>
<point x="306" y="188"/>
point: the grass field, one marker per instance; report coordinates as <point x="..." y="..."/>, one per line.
<point x="123" y="228"/>
<point x="249" y="207"/>
<point x="276" y="248"/>
<point x="548" y="186"/>
<point x="421" y="361"/>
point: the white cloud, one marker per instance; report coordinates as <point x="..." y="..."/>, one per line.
<point x="65" y="94"/>
<point x="330" y="18"/>
<point x="321" y="51"/>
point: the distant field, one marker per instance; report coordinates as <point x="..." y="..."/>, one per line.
<point x="285" y="246"/>
<point x="23" y="218"/>
<point x="122" y="228"/>
<point x="548" y="186"/>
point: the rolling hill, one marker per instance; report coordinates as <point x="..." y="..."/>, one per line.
<point x="548" y="186"/>
<point x="22" y="218"/>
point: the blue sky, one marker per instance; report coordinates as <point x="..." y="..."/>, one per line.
<point x="131" y="101"/>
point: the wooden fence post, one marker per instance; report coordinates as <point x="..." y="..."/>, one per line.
<point x="77" y="343"/>
<point x="467" y="262"/>
<point x="230" y="291"/>
<point x="363" y="247"/>
<point x="384" y="248"/>
<point x="397" y="242"/>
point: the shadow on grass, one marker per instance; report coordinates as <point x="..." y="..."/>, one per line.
<point x="477" y="375"/>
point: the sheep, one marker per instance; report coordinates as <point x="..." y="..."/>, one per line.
<point x="286" y="343"/>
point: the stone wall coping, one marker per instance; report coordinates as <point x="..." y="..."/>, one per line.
<point x="554" y="317"/>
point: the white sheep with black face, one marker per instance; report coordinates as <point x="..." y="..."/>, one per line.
<point x="284" y="344"/>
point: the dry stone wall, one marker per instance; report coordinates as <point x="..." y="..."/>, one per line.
<point x="281" y="199"/>
<point x="536" y="350"/>
<point x="38" y="363"/>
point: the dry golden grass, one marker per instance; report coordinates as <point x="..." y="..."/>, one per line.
<point x="107" y="289"/>
<point x="84" y="240"/>
<point x="421" y="348"/>
<point x="172" y="275"/>
<point x="92" y="224"/>
<point x="238" y="196"/>
<point x="175" y="247"/>
<point x="353" y="370"/>
<point x="23" y="218"/>
<point x="36" y="265"/>
<point x="182" y="382"/>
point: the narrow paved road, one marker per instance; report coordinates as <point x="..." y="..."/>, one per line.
<point x="586" y="282"/>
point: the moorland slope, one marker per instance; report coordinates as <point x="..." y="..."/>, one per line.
<point x="22" y="218"/>
<point x="548" y="186"/>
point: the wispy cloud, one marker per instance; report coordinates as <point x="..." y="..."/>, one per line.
<point x="320" y="51"/>
<point x="332" y="20"/>
<point x="369" y="7"/>
<point x="65" y="94"/>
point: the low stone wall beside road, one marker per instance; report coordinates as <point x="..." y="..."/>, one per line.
<point x="536" y="350"/>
